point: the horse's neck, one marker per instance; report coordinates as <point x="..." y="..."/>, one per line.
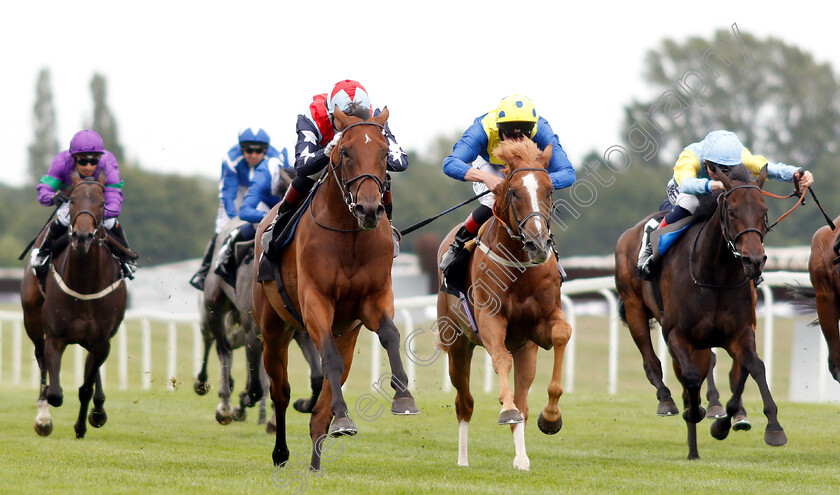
<point x="85" y="272"/>
<point x="711" y="260"/>
<point x="336" y="213"/>
<point x="498" y="240"/>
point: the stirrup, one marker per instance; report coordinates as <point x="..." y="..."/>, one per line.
<point x="397" y="238"/>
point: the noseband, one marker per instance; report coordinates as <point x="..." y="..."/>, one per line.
<point x="520" y="223"/>
<point x="344" y="184"/>
<point x="97" y="222"/>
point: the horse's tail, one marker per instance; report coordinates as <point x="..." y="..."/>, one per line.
<point x="622" y="311"/>
<point x="804" y="300"/>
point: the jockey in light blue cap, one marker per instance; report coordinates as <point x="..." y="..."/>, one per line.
<point x="693" y="177"/>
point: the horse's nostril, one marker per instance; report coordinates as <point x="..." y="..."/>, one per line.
<point x="359" y="210"/>
<point x="530" y="246"/>
<point x="380" y="210"/>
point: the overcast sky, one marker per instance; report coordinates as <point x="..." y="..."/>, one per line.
<point x="184" y="76"/>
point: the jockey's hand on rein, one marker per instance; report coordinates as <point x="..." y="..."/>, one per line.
<point x="58" y="199"/>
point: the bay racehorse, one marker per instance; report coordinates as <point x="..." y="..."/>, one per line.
<point x="512" y="294"/>
<point x="708" y="298"/>
<point x="336" y="275"/>
<point x="226" y="318"/>
<point x="825" y="280"/>
<point x="83" y="303"/>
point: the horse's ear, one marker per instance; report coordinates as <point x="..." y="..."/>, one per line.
<point x="75" y="177"/>
<point x="545" y="156"/>
<point x="340" y="118"/>
<point x="727" y="184"/>
<point x="382" y="117"/>
<point x="101" y="177"/>
<point x="762" y="176"/>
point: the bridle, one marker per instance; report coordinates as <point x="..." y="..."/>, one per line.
<point x="520" y="223"/>
<point x="97" y="222"/>
<point x="729" y="239"/>
<point x="344" y="184"/>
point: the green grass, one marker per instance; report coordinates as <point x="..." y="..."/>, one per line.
<point x="162" y="441"/>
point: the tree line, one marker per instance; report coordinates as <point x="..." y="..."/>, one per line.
<point x="781" y="102"/>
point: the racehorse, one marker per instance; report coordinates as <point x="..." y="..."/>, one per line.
<point x="336" y="277"/>
<point x="708" y="298"/>
<point x="83" y="303"/>
<point x="513" y="291"/>
<point x="825" y="279"/>
<point x="226" y="317"/>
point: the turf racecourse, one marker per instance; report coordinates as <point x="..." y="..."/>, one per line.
<point x="167" y="442"/>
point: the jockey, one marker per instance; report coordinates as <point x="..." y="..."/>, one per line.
<point x="266" y="190"/>
<point x="693" y="177"/>
<point x="88" y="156"/>
<point x="238" y="167"/>
<point x="472" y="159"/>
<point x="317" y="136"/>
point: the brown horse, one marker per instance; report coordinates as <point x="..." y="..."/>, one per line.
<point x="337" y="274"/>
<point x="825" y="279"/>
<point x="708" y="298"/>
<point x="83" y="303"/>
<point x="513" y="290"/>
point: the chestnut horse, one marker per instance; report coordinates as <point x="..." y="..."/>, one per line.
<point x="83" y="303"/>
<point x="337" y="275"/>
<point x="513" y="290"/>
<point x="825" y="279"/>
<point x="708" y="298"/>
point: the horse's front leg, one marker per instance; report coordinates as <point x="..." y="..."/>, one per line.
<point x="316" y="373"/>
<point x="684" y="355"/>
<point x="224" y="411"/>
<point x="550" y="420"/>
<point x="524" y="369"/>
<point x="389" y="337"/>
<point x="828" y="312"/>
<point x="493" y="330"/>
<point x="715" y="408"/>
<point x="200" y="385"/>
<point x="96" y="356"/>
<point x="53" y="349"/>
<point x="97" y="416"/>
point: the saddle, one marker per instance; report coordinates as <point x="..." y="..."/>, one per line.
<point x="455" y="276"/>
<point x="663" y="238"/>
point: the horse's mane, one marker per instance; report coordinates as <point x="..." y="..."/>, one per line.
<point x="514" y="152"/>
<point x="708" y="202"/>
<point x="357" y="110"/>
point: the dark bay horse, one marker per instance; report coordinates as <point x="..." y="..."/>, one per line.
<point x="825" y="279"/>
<point x="226" y="318"/>
<point x="83" y="303"/>
<point x="708" y="299"/>
<point x="513" y="291"/>
<point x="337" y="274"/>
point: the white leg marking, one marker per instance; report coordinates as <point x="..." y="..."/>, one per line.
<point x="43" y="417"/>
<point x="463" y="426"/>
<point x="224" y="408"/>
<point x="520" y="461"/>
<point x="531" y="185"/>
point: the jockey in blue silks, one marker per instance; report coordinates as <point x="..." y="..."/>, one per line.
<point x="238" y="168"/>
<point x="472" y="159"/>
<point x="692" y="178"/>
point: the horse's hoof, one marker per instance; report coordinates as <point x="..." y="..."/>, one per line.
<point x="304" y="405"/>
<point x="80" y="431"/>
<point x="775" y="438"/>
<point x="715" y="411"/>
<point x="522" y="463"/>
<point x="239" y="414"/>
<point x="741" y="423"/>
<point x="200" y="388"/>
<point x="667" y="408"/>
<point x="696" y="417"/>
<point x="720" y="428"/>
<point x="43" y="430"/>
<point x="97" y="419"/>
<point x="511" y="417"/>
<point x="404" y="406"/>
<point x="223" y="420"/>
<point x="342" y="426"/>
<point x="549" y="427"/>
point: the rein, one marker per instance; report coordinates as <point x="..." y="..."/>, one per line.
<point x="344" y="184"/>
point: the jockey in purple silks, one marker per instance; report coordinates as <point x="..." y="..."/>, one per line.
<point x="88" y="156"/>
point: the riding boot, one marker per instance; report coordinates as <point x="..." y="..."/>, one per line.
<point x="226" y="261"/>
<point x="197" y="280"/>
<point x="389" y="210"/>
<point x="646" y="251"/>
<point x="127" y="263"/>
<point x="40" y="257"/>
<point x="461" y="237"/>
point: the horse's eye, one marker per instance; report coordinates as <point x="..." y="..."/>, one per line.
<point x="730" y="213"/>
<point x="344" y="152"/>
<point x="514" y="194"/>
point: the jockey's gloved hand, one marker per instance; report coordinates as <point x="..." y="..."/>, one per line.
<point x="57" y="199"/>
<point x="329" y="147"/>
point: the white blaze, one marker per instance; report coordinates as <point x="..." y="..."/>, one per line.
<point x="531" y="185"/>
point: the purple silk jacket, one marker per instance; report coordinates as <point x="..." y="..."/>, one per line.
<point x="60" y="173"/>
